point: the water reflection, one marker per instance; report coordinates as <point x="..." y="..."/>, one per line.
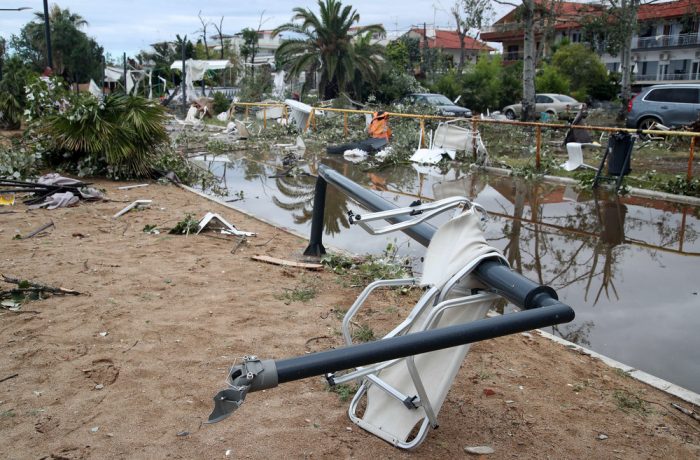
<point x="626" y="264"/>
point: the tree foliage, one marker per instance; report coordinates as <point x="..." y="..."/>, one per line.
<point x="76" y="57"/>
<point x="326" y="45"/>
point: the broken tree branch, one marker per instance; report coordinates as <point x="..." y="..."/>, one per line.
<point x="39" y="286"/>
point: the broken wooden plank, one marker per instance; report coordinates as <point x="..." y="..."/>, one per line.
<point x="287" y="263"/>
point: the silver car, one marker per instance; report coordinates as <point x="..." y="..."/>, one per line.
<point x="556" y="105"/>
<point x="668" y="105"/>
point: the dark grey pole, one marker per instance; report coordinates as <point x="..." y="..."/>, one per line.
<point x="325" y="362"/>
<point x="422" y="233"/>
<point x="315" y="247"/>
<point x="102" y="80"/>
<point x="182" y="83"/>
<point x="47" y="33"/>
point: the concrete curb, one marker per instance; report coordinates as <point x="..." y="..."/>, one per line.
<point x="659" y="384"/>
<point x="682" y="199"/>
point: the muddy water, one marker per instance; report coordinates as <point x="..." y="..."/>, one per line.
<point x="630" y="267"/>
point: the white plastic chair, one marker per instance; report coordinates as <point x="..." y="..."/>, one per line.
<point x="447" y="140"/>
<point x="575" y="152"/>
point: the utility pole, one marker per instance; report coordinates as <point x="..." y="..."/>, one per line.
<point x="125" y="91"/>
<point x="182" y="83"/>
<point x="102" y="67"/>
<point x="47" y="33"/>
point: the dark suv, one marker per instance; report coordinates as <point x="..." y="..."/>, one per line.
<point x="668" y="105"/>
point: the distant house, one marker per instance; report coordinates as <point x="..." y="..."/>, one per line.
<point x="665" y="49"/>
<point x="267" y="45"/>
<point x="448" y="42"/>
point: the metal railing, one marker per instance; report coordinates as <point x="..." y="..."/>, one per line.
<point x="665" y="41"/>
<point x="685" y="76"/>
<point x="477" y="120"/>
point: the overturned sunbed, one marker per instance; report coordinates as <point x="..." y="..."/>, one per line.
<point x="404" y="377"/>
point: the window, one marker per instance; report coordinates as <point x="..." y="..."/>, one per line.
<point x="678" y="95"/>
<point x="542" y="99"/>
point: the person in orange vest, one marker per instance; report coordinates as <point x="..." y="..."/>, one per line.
<point x="379" y="126"/>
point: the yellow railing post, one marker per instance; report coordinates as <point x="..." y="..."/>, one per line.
<point x="345" y="124"/>
<point x="690" y="158"/>
<point x="265" y="117"/>
<point x="246" y="113"/>
<point x="538" y="147"/>
<point x="308" y="120"/>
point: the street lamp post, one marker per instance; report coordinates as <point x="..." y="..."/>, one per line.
<point x="47" y="32"/>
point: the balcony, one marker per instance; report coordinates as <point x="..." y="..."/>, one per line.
<point x="679" y="77"/>
<point x="666" y="41"/>
<point x="505" y="27"/>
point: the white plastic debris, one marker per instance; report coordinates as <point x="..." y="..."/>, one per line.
<point x="431" y="156"/>
<point x="479" y="450"/>
<point x="227" y="228"/>
<point x="355" y="155"/>
<point x="135" y="204"/>
<point x="129" y="187"/>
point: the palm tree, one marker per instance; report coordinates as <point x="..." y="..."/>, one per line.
<point x="327" y="46"/>
<point x="57" y="14"/>
<point x="60" y="21"/>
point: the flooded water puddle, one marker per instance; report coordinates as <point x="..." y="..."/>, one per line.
<point x="628" y="266"/>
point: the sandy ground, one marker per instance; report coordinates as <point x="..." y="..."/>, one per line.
<point x="178" y="310"/>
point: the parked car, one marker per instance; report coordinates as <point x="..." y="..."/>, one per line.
<point x="668" y="105"/>
<point x="443" y="105"/>
<point x="556" y="105"/>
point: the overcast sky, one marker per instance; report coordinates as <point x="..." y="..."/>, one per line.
<point x="131" y="25"/>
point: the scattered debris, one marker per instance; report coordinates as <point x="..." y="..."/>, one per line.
<point x="28" y="290"/>
<point x="687" y="412"/>
<point x="51" y="190"/>
<point x="489" y="392"/>
<point x="151" y="229"/>
<point x="211" y="219"/>
<point x="240" y="243"/>
<point x="99" y="386"/>
<point x="287" y="263"/>
<point x="183" y="433"/>
<point x="602" y="437"/>
<point x="94" y="429"/>
<point x="479" y="450"/>
<point x="8" y="377"/>
<point x="129" y="187"/>
<point x="38" y="230"/>
<point x="135" y="204"/>
<point x="185" y="226"/>
<point x="7" y="199"/>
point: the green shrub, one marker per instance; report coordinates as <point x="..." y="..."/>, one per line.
<point x="551" y="80"/>
<point x="221" y="103"/>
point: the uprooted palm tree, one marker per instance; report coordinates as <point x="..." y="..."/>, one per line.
<point x="327" y="45"/>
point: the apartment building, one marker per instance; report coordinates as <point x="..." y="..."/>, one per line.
<point x="665" y="49"/>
